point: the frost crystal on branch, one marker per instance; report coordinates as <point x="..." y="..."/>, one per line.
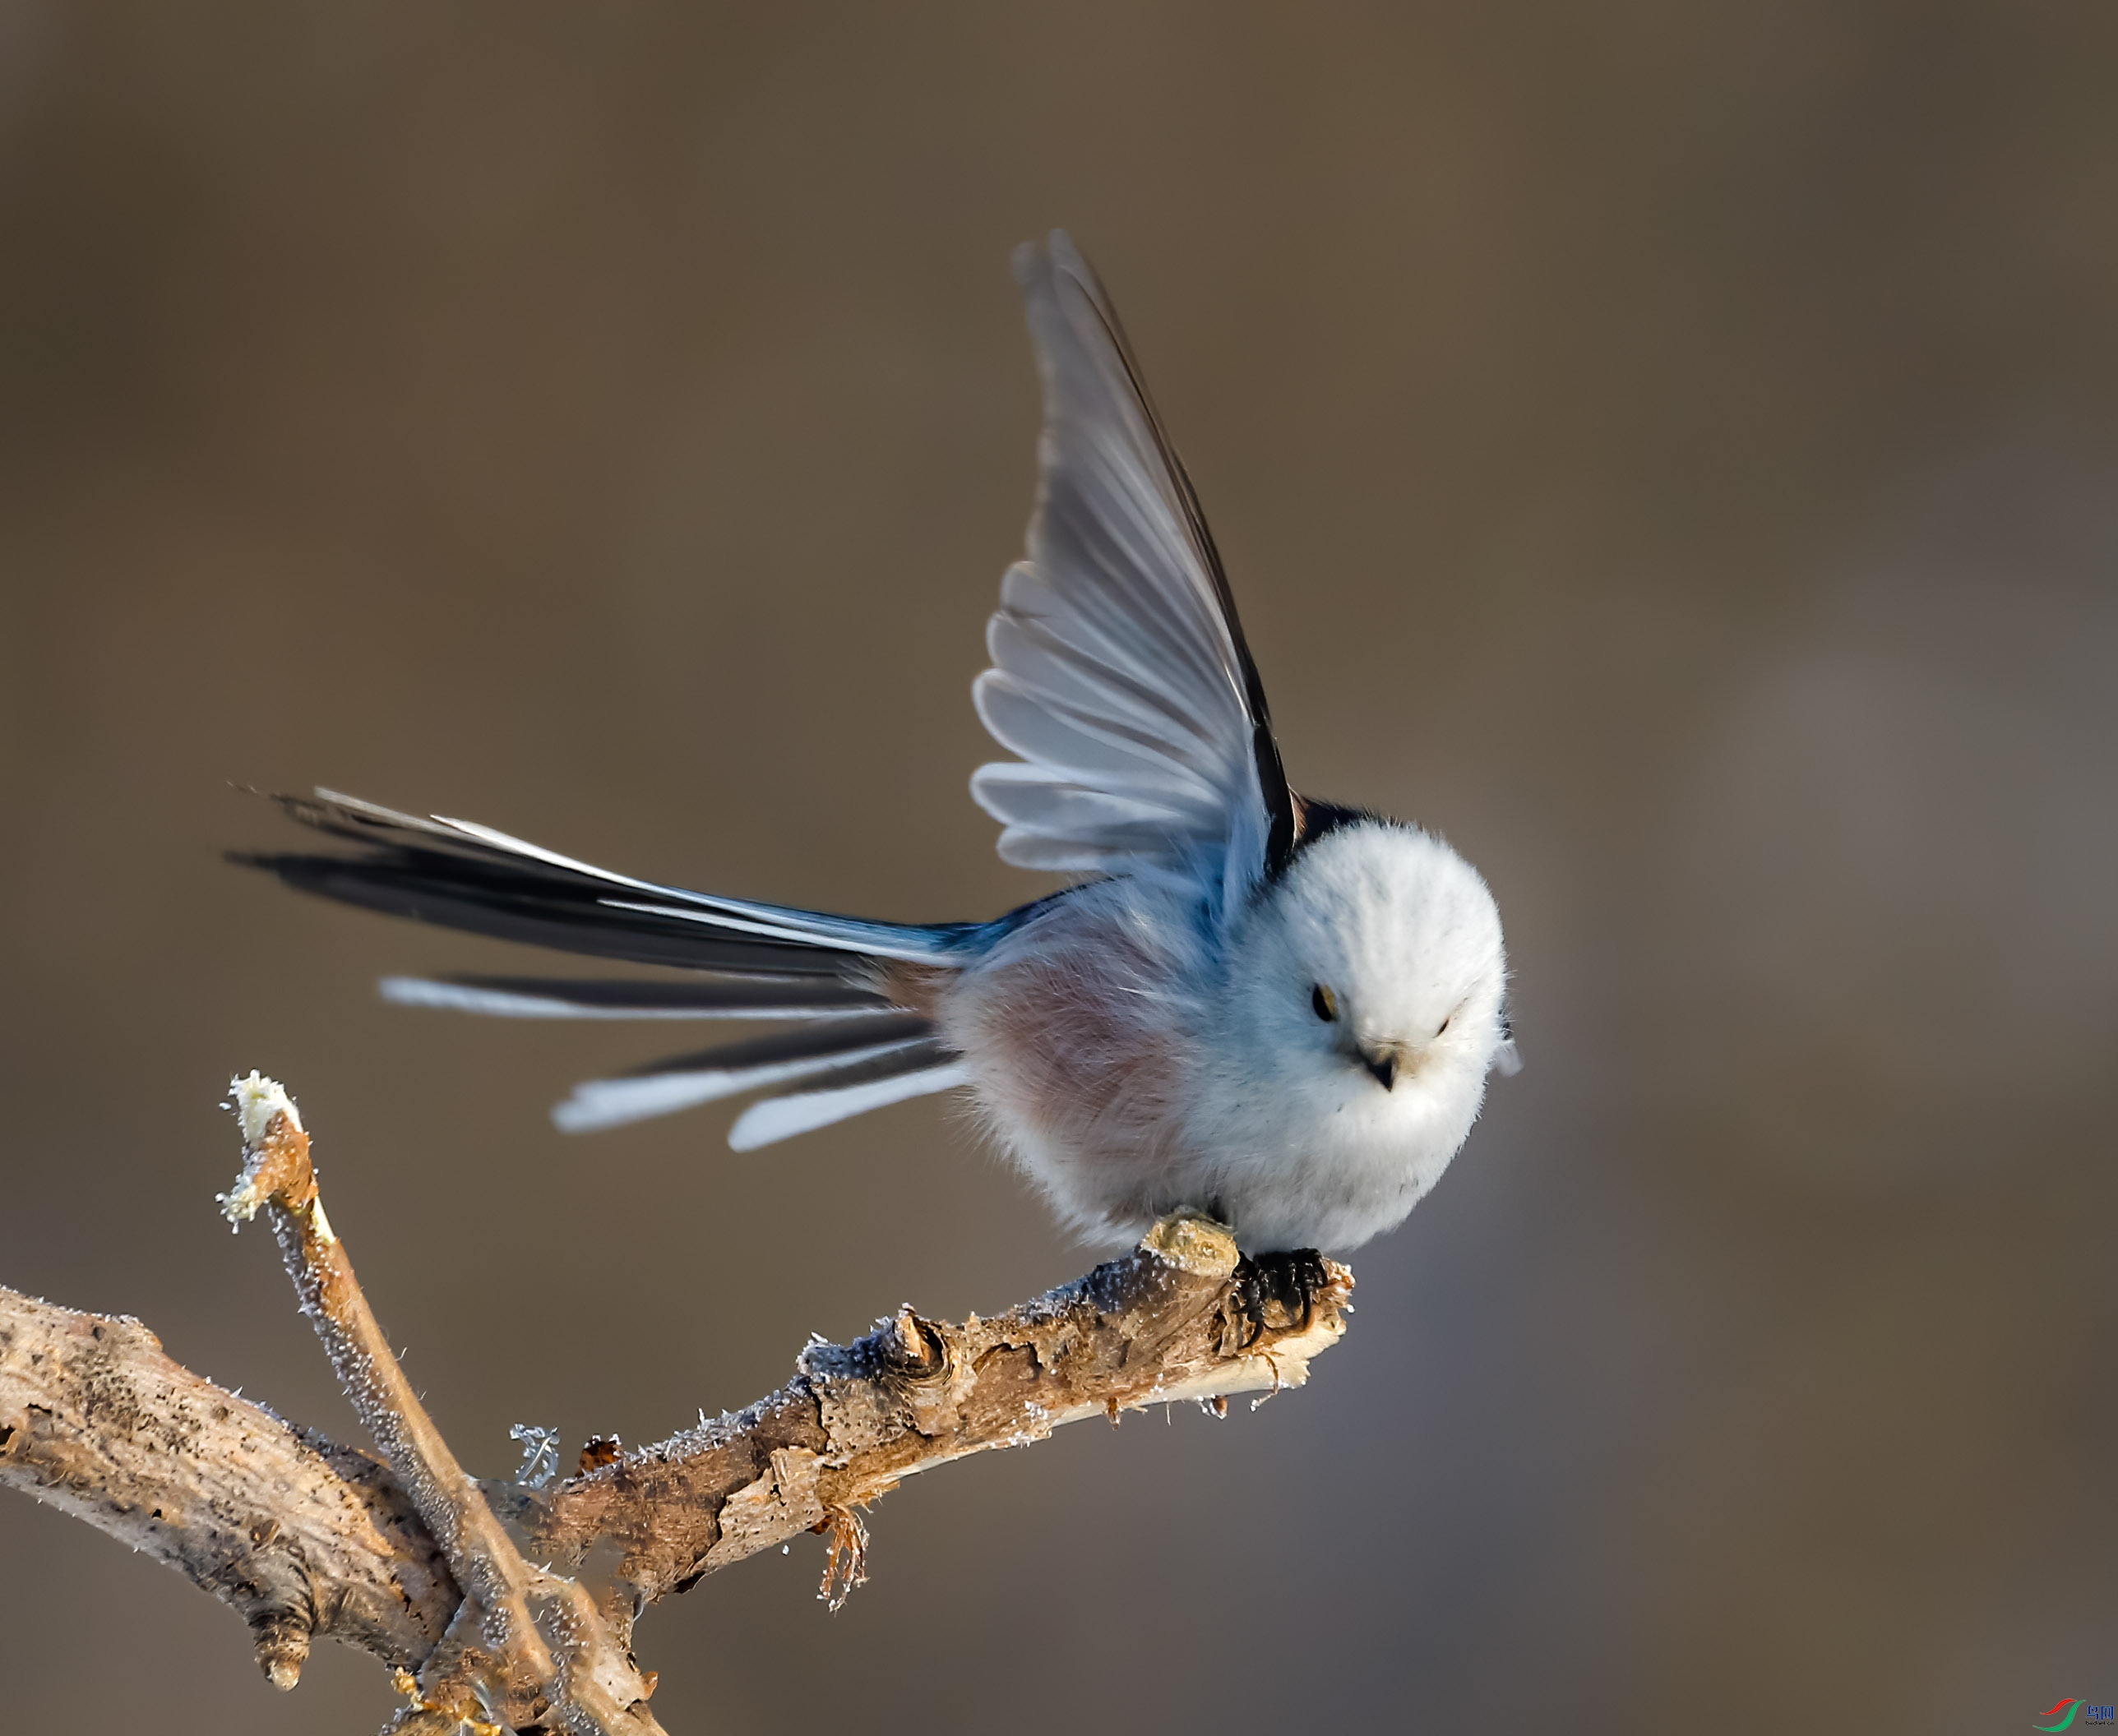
<point x="540" y="1454"/>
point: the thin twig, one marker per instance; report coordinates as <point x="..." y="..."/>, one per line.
<point x="572" y="1667"/>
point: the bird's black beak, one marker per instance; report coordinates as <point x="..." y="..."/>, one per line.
<point x="1383" y="1064"/>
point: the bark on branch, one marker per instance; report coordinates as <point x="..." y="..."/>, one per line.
<point x="297" y="1535"/>
<point x="303" y="1537"/>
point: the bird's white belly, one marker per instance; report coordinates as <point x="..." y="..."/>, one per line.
<point x="1078" y="1036"/>
<point x="1329" y="1171"/>
<point x="1090" y="1035"/>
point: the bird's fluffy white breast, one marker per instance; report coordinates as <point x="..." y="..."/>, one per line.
<point x="1404" y="934"/>
<point x="1132" y="1060"/>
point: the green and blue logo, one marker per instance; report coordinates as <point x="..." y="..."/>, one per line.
<point x="2067" y="1710"/>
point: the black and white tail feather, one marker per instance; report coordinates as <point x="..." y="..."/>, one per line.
<point x="853" y="1049"/>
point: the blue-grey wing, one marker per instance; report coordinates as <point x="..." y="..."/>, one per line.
<point x="1119" y="670"/>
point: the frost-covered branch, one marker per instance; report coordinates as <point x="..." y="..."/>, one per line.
<point x="305" y="1538"/>
<point x="527" y="1643"/>
<point x="1181" y="1318"/>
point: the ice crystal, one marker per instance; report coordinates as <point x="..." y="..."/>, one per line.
<point x="540" y="1454"/>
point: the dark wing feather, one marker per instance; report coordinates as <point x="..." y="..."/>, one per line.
<point x="1264" y="745"/>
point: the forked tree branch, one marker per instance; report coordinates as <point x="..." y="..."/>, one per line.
<point x="303" y="1537"/>
<point x="527" y="1646"/>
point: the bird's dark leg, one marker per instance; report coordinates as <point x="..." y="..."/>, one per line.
<point x="1279" y="1290"/>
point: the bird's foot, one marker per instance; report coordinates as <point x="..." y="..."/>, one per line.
<point x="1279" y="1292"/>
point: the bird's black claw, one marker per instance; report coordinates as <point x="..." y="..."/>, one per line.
<point x="1278" y="1290"/>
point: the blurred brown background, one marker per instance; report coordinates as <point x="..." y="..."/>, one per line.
<point x="1670" y="450"/>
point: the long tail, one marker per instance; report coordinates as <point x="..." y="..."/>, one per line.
<point x="858" y="1045"/>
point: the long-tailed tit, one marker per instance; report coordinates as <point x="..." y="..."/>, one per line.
<point x="1274" y="1010"/>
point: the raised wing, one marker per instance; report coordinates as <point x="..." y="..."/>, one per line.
<point x="1120" y="674"/>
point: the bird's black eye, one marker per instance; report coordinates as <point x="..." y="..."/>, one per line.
<point x="1444" y="1024"/>
<point x="1325" y="1002"/>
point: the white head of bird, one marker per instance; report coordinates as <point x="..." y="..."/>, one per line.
<point x="1366" y="1004"/>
